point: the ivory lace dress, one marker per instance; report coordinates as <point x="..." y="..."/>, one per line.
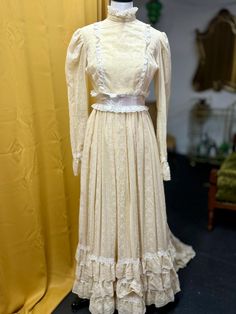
<point x="127" y="257"/>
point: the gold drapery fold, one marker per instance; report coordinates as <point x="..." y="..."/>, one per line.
<point x="39" y="195"/>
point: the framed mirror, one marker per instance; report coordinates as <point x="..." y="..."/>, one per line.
<point x="217" y="54"/>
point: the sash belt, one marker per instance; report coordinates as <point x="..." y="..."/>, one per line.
<point x="120" y="103"/>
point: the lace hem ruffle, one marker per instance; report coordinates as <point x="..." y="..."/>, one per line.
<point x="150" y="280"/>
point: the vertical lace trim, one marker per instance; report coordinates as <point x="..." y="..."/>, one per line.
<point x="147" y="35"/>
<point x="101" y="73"/>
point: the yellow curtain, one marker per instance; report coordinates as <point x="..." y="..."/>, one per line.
<point x="39" y="195"/>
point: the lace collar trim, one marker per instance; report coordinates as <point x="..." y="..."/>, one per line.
<point x="121" y="15"/>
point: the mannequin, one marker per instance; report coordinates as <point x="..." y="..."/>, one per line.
<point x="121" y="5"/>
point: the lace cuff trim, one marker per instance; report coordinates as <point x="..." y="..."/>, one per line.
<point x="165" y="170"/>
<point x="76" y="164"/>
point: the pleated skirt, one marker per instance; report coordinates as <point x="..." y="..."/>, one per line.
<point x="126" y="257"/>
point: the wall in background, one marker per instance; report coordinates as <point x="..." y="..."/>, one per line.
<point x="179" y="20"/>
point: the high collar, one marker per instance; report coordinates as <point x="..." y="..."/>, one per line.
<point x="121" y="15"/>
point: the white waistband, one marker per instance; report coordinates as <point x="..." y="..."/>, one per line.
<point x="126" y="103"/>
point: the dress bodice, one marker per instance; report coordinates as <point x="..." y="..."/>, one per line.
<point x="120" y="55"/>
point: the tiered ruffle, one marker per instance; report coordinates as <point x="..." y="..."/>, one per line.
<point x="129" y="285"/>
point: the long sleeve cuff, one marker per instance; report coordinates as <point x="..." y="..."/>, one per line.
<point x="165" y="170"/>
<point x="76" y="164"/>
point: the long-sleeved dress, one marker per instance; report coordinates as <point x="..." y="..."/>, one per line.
<point x="126" y="257"/>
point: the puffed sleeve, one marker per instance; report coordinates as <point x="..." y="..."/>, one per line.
<point x="162" y="86"/>
<point x="76" y="80"/>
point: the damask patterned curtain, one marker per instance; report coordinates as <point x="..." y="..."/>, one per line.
<point x="39" y="195"/>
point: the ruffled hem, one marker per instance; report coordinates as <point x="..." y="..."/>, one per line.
<point x="128" y="285"/>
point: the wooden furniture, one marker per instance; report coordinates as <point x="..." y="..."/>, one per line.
<point x="213" y="203"/>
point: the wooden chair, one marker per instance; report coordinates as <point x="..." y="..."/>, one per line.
<point x="213" y="203"/>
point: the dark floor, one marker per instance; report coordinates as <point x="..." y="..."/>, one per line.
<point x="208" y="283"/>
